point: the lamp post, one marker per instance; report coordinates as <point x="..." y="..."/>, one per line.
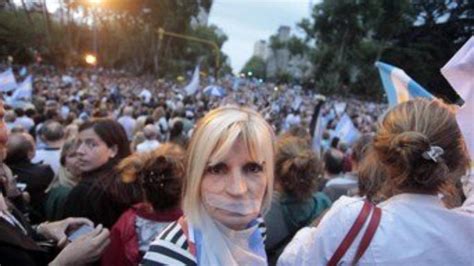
<point x="214" y="46"/>
<point x="94" y="4"/>
<point x="90" y="59"/>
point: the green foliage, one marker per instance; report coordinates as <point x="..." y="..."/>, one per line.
<point x="126" y="35"/>
<point x="257" y="66"/>
<point x="283" y="78"/>
<point x="296" y="46"/>
<point x="418" y="36"/>
<point x="206" y="54"/>
<point x="275" y="43"/>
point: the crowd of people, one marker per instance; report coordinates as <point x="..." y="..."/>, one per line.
<point x="261" y="174"/>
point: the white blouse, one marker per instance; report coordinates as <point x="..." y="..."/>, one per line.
<point x="414" y="229"/>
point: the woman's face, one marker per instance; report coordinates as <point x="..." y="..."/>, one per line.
<point x="232" y="190"/>
<point x="92" y="151"/>
<point x="72" y="163"/>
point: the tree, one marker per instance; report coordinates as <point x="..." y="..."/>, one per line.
<point x="204" y="53"/>
<point x="441" y="29"/>
<point x="349" y="36"/>
<point x="257" y="66"/>
<point x="418" y="36"/>
<point x="127" y="35"/>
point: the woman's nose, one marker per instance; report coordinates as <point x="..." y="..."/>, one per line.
<point x="237" y="184"/>
<point x="80" y="149"/>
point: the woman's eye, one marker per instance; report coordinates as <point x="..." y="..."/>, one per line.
<point x="91" y="144"/>
<point x="253" y="168"/>
<point x="217" y="169"/>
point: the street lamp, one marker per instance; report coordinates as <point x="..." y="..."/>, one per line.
<point x="95" y="4"/>
<point x="90" y="59"/>
<point x="215" y="47"/>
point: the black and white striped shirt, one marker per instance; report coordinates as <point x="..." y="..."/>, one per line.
<point x="171" y="247"/>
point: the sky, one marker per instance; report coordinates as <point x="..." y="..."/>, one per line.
<point x="247" y="21"/>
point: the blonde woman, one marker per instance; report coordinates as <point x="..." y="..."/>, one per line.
<point x="228" y="185"/>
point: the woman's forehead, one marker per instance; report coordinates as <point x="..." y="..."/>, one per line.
<point x="229" y="150"/>
<point x="88" y="134"/>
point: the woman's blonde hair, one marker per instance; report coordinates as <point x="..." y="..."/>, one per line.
<point x="213" y="138"/>
<point x="406" y="132"/>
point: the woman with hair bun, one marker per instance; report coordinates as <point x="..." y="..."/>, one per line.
<point x="422" y="152"/>
<point x="296" y="201"/>
<point x="160" y="175"/>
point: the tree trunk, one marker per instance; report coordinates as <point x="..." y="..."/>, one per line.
<point x="47" y="22"/>
<point x="342" y="47"/>
<point x="28" y="16"/>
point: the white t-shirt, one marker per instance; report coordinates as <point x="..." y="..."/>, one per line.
<point x="49" y="156"/>
<point x="414" y="229"/>
<point x="128" y="124"/>
<point x="148" y="145"/>
<point x="26" y="122"/>
<point x="292" y="120"/>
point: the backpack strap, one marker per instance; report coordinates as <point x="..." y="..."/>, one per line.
<point x="351" y="235"/>
<point x="191" y="245"/>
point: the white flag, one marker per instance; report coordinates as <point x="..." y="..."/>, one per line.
<point x="7" y="81"/>
<point x="297" y="103"/>
<point x="23" y="71"/>
<point x="459" y="73"/>
<point x="193" y="86"/>
<point x="340" y="108"/>
<point x="24" y="91"/>
<point x="346" y="131"/>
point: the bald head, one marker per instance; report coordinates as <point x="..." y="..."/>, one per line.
<point x="150" y="132"/>
<point x="52" y="131"/>
<point x="128" y="111"/>
<point x="20" y="146"/>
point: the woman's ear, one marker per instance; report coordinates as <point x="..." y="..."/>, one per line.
<point x="114" y="151"/>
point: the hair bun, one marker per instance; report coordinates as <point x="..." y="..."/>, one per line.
<point x="301" y="160"/>
<point x="409" y="145"/>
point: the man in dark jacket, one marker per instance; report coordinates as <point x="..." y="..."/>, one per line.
<point x="18" y="244"/>
<point x="37" y="177"/>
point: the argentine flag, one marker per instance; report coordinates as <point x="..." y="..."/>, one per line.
<point x="398" y="85"/>
<point x="24" y="90"/>
<point x="193" y="85"/>
<point x="7" y="81"/>
<point x="346" y="131"/>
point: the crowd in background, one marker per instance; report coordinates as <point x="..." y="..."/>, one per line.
<point x="111" y="147"/>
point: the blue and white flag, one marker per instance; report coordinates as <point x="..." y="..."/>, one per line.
<point x="7" y="81"/>
<point x="346" y="131"/>
<point x="340" y="108"/>
<point x="318" y="131"/>
<point x="24" y="90"/>
<point x="236" y="84"/>
<point x="23" y="71"/>
<point x="297" y="103"/>
<point x="214" y="90"/>
<point x="193" y="85"/>
<point x="398" y="85"/>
